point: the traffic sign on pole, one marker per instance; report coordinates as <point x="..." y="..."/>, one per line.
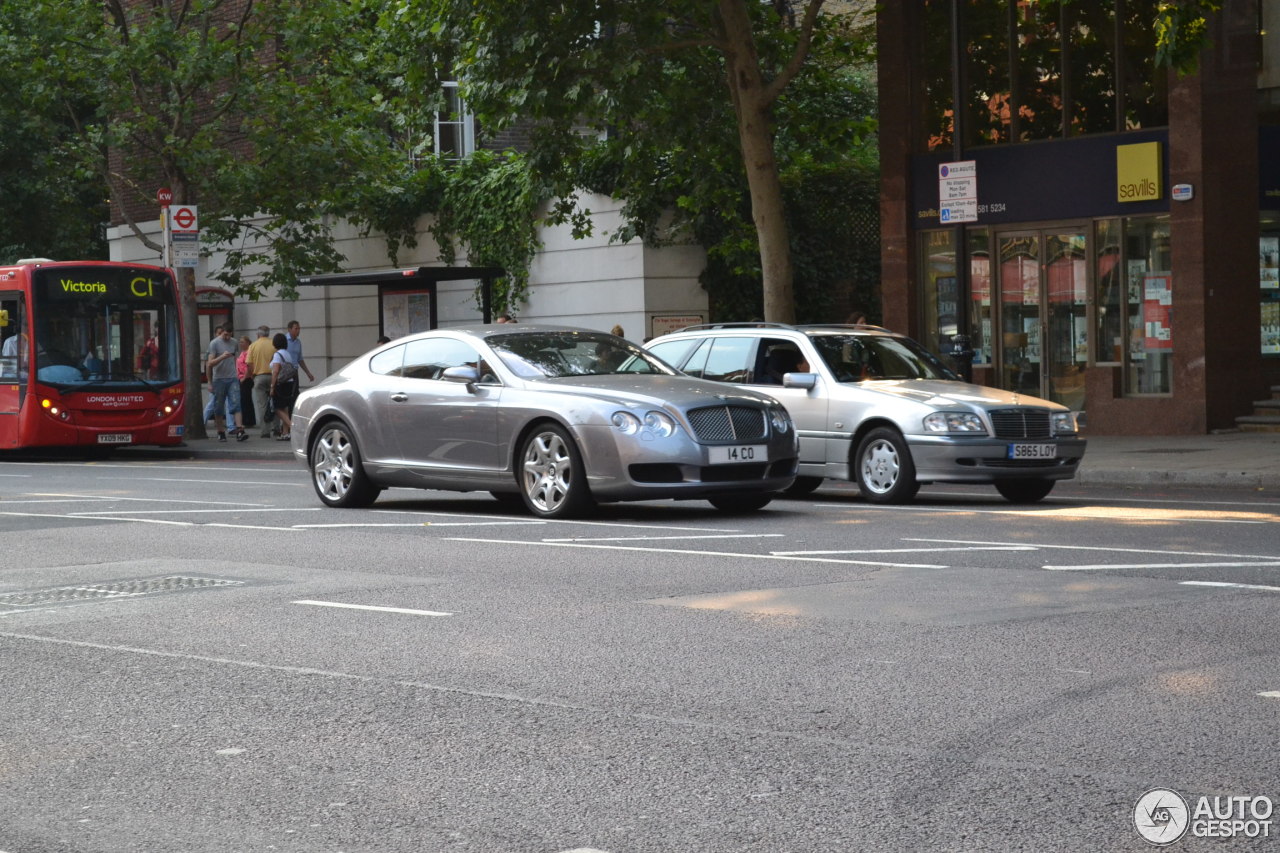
<point x="185" y="219"/>
<point x="164" y="196"/>
<point x="958" y="191"/>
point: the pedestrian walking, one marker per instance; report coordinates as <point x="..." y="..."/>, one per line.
<point x="259" y="359"/>
<point x="284" y="384"/>
<point x="247" y="415"/>
<point x="221" y="365"/>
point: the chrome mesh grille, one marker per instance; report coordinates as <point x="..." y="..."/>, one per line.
<point x="727" y="423"/>
<point x="1021" y="423"/>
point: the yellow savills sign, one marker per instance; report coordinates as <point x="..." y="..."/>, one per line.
<point x="1138" y="172"/>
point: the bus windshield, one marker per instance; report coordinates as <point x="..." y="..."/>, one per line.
<point x="98" y="325"/>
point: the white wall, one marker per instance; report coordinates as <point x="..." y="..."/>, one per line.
<point x="590" y="283"/>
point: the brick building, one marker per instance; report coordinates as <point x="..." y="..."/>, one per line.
<point x="1097" y="244"/>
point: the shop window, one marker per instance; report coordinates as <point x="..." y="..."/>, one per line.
<point x="1109" y="295"/>
<point x="1269" y="283"/>
<point x="980" y="295"/>
<point x="939" y="290"/>
<point x="1148" y="306"/>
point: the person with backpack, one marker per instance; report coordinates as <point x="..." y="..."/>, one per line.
<point x="284" y="383"/>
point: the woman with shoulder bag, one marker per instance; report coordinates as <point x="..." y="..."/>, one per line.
<point x="284" y="383"/>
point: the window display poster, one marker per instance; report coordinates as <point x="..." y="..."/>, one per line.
<point x="1157" y="312"/>
<point x="1269" y="262"/>
<point x="1271" y="328"/>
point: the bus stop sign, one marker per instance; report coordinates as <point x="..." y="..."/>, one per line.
<point x="164" y="195"/>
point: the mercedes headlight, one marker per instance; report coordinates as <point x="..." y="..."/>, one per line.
<point x="1064" y="423"/>
<point x="946" y="422"/>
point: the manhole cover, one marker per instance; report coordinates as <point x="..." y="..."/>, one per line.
<point x="132" y="588"/>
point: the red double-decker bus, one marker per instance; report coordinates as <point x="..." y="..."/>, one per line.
<point x="90" y="355"/>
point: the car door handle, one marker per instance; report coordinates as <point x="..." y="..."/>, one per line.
<point x="399" y="397"/>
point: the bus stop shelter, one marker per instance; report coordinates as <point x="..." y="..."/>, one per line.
<point x="414" y="288"/>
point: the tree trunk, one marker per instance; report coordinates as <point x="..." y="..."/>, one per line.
<point x="755" y="136"/>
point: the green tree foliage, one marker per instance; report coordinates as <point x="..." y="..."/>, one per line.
<point x="700" y="105"/>
<point x="55" y="208"/>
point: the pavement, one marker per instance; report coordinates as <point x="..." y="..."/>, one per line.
<point x="1229" y="459"/>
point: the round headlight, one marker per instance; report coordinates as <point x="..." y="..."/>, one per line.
<point x="660" y="424"/>
<point x="626" y="423"/>
<point x="780" y="419"/>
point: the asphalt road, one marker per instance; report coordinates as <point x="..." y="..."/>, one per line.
<point x="197" y="656"/>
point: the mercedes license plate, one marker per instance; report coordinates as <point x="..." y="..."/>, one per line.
<point x="115" y="438"/>
<point x="739" y="453"/>
<point x="1033" y="451"/>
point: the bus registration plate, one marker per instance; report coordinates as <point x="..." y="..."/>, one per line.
<point x="1033" y="451"/>
<point x="115" y="438"/>
<point x="739" y="453"/>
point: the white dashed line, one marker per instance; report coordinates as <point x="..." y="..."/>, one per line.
<point x="1234" y="585"/>
<point x="373" y="607"/>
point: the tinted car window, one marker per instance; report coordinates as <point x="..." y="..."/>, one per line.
<point x="731" y="360"/>
<point x="388" y="362"/>
<point x="427" y="359"/>
<point x="854" y="358"/>
<point x="673" y="352"/>
<point x="694" y="366"/>
<point x="549" y="355"/>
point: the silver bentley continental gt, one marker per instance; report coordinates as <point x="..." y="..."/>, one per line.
<point x="556" y="418"/>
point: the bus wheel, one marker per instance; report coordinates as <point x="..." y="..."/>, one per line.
<point x="336" y="471"/>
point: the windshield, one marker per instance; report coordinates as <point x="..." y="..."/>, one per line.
<point x="99" y="325"/>
<point x="855" y="358"/>
<point x="551" y="355"/>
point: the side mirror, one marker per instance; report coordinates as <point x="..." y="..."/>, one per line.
<point x="464" y="374"/>
<point x="807" y="381"/>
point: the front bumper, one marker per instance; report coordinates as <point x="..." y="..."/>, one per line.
<point x="958" y="459"/>
<point x="622" y="468"/>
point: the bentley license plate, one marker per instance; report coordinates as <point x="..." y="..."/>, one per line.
<point x="739" y="453"/>
<point x="1033" y="451"/>
<point x="115" y="438"/>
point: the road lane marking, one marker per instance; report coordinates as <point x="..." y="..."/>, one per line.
<point x="217" y="482"/>
<point x="84" y="497"/>
<point x="654" y="538"/>
<point x="1102" y="513"/>
<point x="568" y="521"/>
<point x="733" y="554"/>
<point x="1122" y="566"/>
<point x="374" y="607"/>
<point x="1227" y="585"/>
<point x="1271" y="694"/>
<point x="254" y="508"/>
<point x="126" y="518"/>
<point x="1101" y="548"/>
<point x="912" y="550"/>
<point x="413" y="524"/>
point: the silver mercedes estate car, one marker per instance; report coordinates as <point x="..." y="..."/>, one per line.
<point x="555" y="418"/>
<point x="877" y="408"/>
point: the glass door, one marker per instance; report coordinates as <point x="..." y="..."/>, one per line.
<point x="1043" y="281"/>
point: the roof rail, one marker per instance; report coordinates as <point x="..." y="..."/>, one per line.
<point x="866" y="326"/>
<point x="750" y="324"/>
